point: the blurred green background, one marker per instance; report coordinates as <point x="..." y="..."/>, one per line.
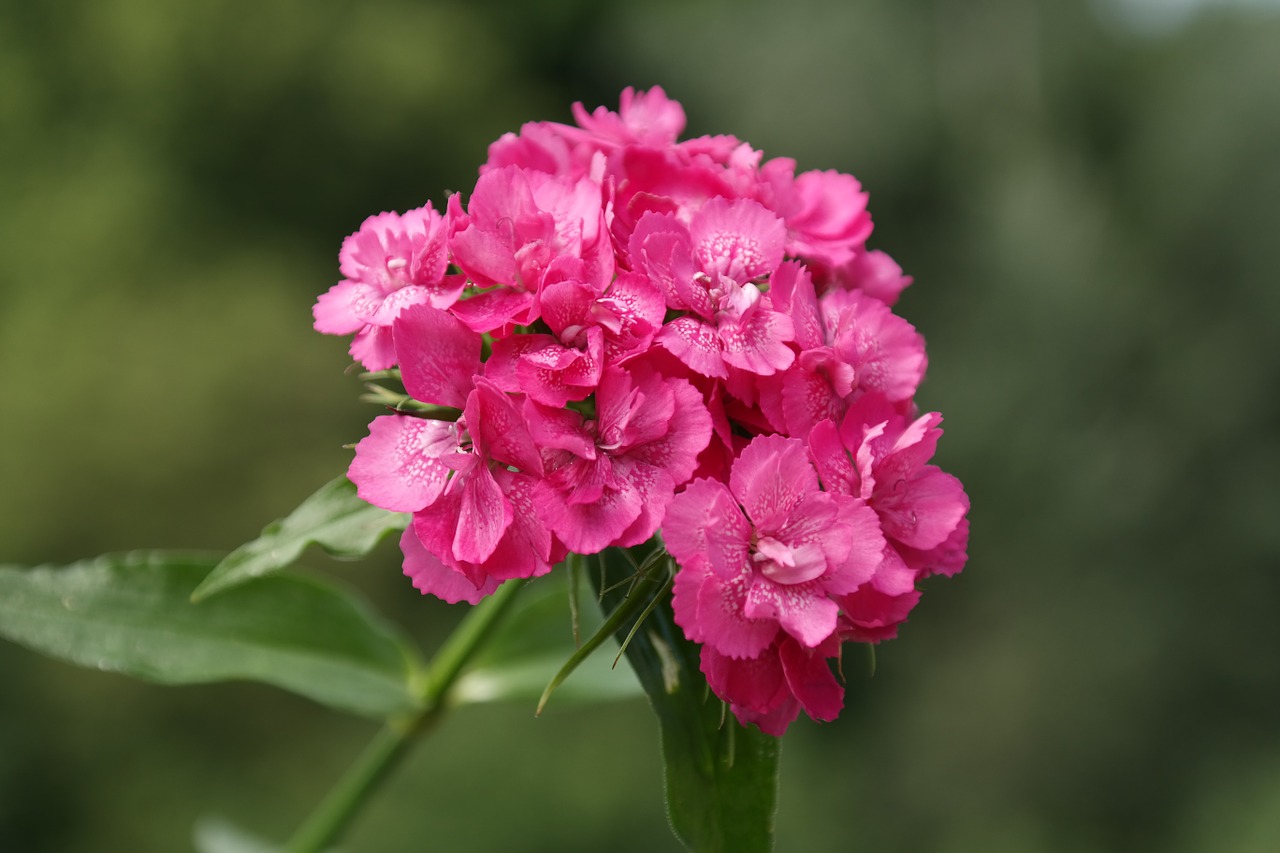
<point x="1086" y="193"/>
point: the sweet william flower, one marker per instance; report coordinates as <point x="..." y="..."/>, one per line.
<point x="709" y="272"/>
<point x="609" y="479"/>
<point x="392" y="262"/>
<point x="766" y="553"/>
<point x="516" y="224"/>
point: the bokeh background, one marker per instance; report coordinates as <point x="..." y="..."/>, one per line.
<point x="1086" y="193"/>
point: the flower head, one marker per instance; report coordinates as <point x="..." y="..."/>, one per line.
<point x="619" y="336"/>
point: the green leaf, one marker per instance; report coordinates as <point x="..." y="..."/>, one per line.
<point x="333" y="518"/>
<point x="132" y="614"/>
<point x="721" y="777"/>
<point x="534" y="642"/>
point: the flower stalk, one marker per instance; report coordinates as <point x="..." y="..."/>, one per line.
<point x="345" y="800"/>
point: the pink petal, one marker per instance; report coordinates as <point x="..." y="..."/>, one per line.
<point x="432" y="577"/>
<point x="886" y="351"/>
<point x="695" y="343"/>
<point x="498" y="428"/>
<point x="801" y="610"/>
<point x="893" y="576"/>
<point x="770" y="478"/>
<point x="689" y="577"/>
<point x="811" y="681"/>
<point x="525" y="548"/>
<point x="740" y="239"/>
<point x="923" y="511"/>
<point x="756" y="684"/>
<point x="828" y="452"/>
<point x="871" y="615"/>
<point x="757" y="343"/>
<point x="704" y="523"/>
<point x="494" y="310"/>
<point x="484" y="514"/>
<point x="724" y="623"/>
<point x="374" y="347"/>
<point x="398" y="464"/>
<point x="587" y="528"/>
<point x="345" y="308"/>
<point x="438" y="356"/>
<point x="791" y="289"/>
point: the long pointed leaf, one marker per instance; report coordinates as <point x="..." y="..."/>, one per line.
<point x="132" y="614"/>
<point x="333" y="518"/>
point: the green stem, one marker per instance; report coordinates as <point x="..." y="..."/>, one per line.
<point x="332" y="816"/>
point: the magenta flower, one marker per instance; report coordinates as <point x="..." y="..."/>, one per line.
<point x="851" y="344"/>
<point x="882" y="457"/>
<point x="589" y="329"/>
<point x="767" y="553"/>
<point x="516" y="224"/>
<point x="709" y="271"/>
<point x="825" y="212"/>
<point x="610" y="479"/>
<point x="392" y="262"/>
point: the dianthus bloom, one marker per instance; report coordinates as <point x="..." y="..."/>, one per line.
<point x="617" y="337"/>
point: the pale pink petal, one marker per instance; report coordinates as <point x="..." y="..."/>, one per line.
<point x="345" y="308"/>
<point x="374" y="347"/>
<point x="398" y="464"/>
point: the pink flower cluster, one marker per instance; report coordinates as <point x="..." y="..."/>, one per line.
<point x="630" y="335"/>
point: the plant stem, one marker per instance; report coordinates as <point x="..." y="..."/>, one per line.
<point x="331" y="817"/>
